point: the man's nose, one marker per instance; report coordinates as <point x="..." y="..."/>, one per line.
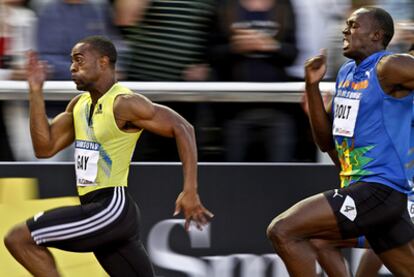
<point x="73" y="68"/>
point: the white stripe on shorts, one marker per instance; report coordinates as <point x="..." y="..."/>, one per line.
<point x="84" y="226"/>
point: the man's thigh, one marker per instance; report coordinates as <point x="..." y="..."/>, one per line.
<point x="311" y="218"/>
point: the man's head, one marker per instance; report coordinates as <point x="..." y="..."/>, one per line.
<point x="368" y="30"/>
<point x="93" y="58"/>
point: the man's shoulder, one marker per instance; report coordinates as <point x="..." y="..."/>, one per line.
<point x="121" y="89"/>
<point x="397" y="57"/>
<point x="394" y="61"/>
<point x="74" y="101"/>
<point x="126" y="99"/>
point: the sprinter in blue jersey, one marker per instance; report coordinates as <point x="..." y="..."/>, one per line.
<point x="369" y="139"/>
<point x="329" y="254"/>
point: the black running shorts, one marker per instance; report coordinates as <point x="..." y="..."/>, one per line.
<point x="105" y="216"/>
<point x="377" y="211"/>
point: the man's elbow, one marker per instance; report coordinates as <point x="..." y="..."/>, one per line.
<point x="184" y="129"/>
<point x="325" y="146"/>
<point x="189" y="127"/>
<point x="325" y="149"/>
<point x="43" y="153"/>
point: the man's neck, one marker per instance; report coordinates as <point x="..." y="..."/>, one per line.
<point x="100" y="89"/>
<point x="366" y="55"/>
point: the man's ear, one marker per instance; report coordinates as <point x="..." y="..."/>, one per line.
<point x="378" y="35"/>
<point x="104" y="61"/>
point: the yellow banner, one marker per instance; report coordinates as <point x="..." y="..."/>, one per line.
<point x="17" y="203"/>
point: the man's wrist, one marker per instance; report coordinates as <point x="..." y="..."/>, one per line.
<point x="311" y="86"/>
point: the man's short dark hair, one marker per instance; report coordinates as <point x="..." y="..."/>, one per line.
<point x="384" y="21"/>
<point x="103" y="46"/>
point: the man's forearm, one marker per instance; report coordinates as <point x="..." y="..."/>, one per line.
<point x="187" y="151"/>
<point x="39" y="125"/>
<point x="319" y="120"/>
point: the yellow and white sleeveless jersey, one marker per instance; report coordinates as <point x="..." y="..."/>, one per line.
<point x="103" y="152"/>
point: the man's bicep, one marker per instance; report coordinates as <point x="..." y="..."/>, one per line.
<point x="409" y="73"/>
<point x="62" y="131"/>
<point x="398" y="70"/>
<point x="161" y="122"/>
<point x="62" y="127"/>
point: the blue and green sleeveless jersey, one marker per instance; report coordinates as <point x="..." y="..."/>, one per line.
<point x="371" y="129"/>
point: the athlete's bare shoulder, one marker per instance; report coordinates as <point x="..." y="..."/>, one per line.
<point x="394" y="63"/>
<point x="396" y="70"/>
<point x="396" y="59"/>
<point x="133" y="106"/>
<point x="72" y="103"/>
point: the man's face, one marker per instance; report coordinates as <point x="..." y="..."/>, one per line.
<point x="358" y="34"/>
<point x="85" y="67"/>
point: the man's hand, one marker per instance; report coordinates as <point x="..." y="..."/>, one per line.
<point x="196" y="72"/>
<point x="36" y="72"/>
<point x="315" y="68"/>
<point x="189" y="203"/>
<point x="245" y="41"/>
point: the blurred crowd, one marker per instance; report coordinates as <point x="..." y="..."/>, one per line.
<point x="190" y="40"/>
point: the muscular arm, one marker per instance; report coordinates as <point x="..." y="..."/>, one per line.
<point x="320" y="122"/>
<point x="161" y="120"/>
<point x="47" y="138"/>
<point x="321" y="125"/>
<point x="396" y="74"/>
<point x="327" y="100"/>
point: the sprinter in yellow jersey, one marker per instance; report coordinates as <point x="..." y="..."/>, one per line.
<point x="105" y="123"/>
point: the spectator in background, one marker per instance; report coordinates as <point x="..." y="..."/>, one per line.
<point x="255" y="42"/>
<point x="61" y="24"/>
<point x="311" y="17"/>
<point x="17" y="28"/>
<point x="404" y="33"/>
<point x="167" y="39"/>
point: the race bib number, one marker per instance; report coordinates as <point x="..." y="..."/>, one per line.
<point x="86" y="162"/>
<point x="346" y="111"/>
<point x="410" y="206"/>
